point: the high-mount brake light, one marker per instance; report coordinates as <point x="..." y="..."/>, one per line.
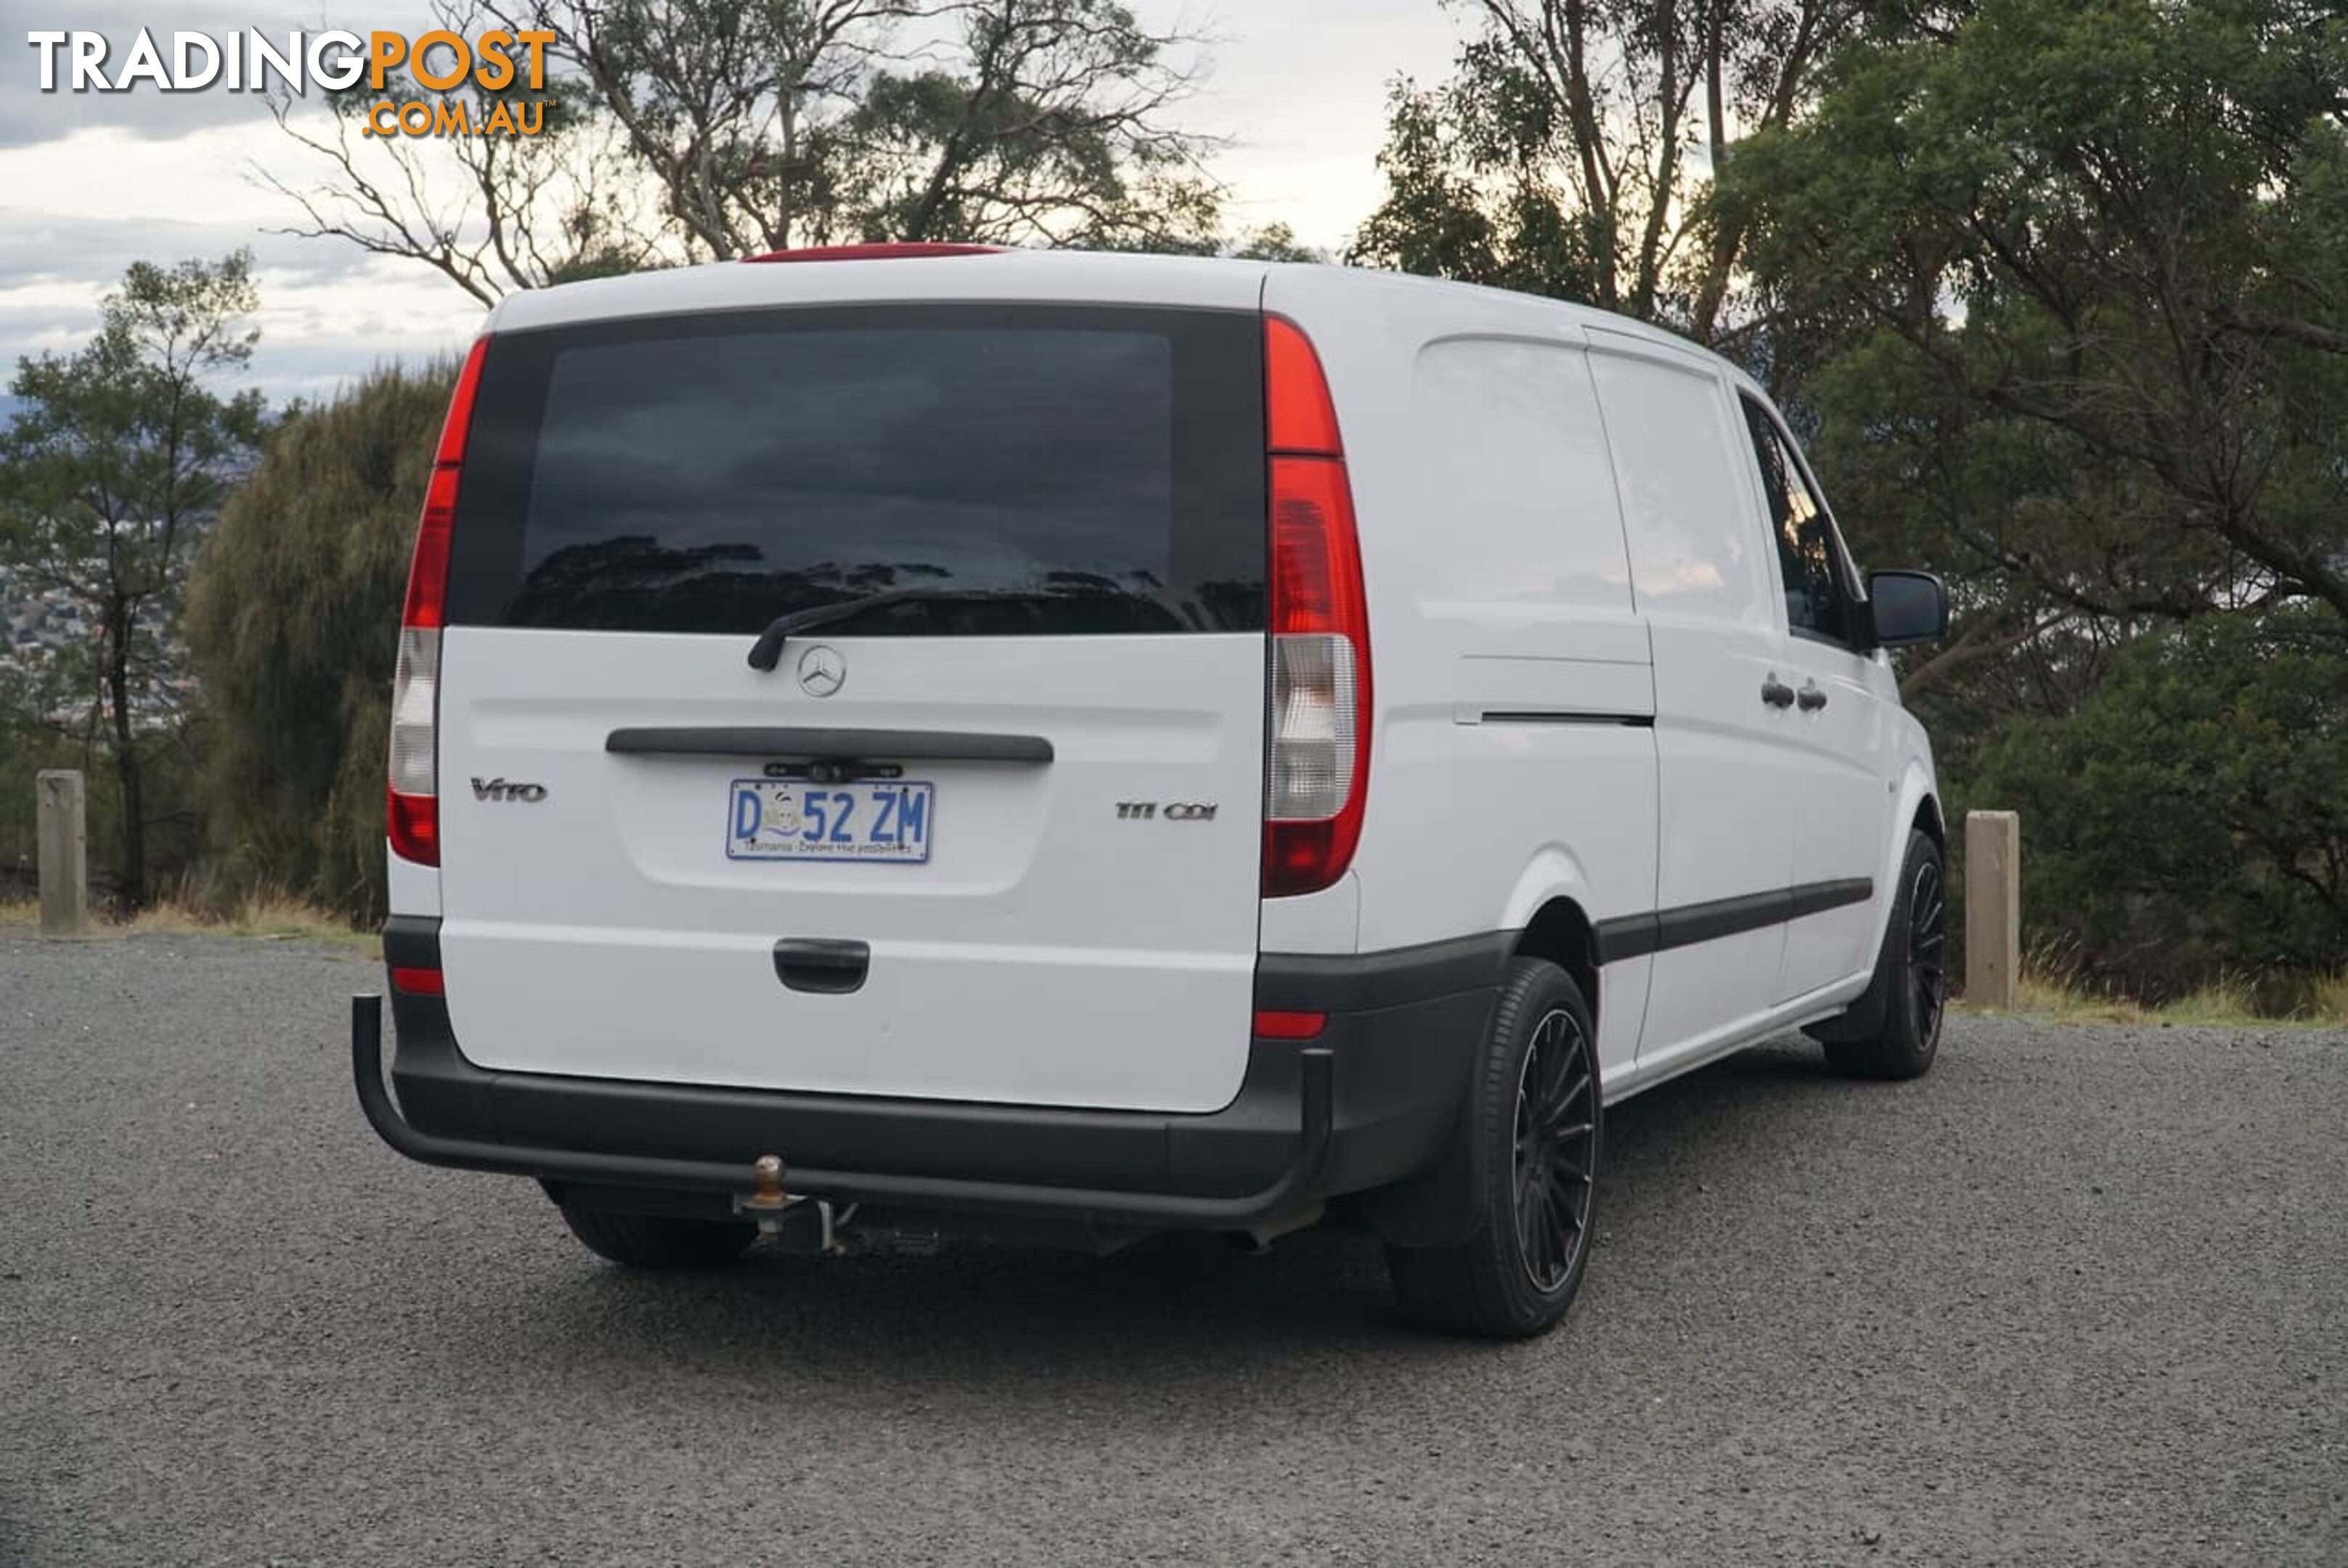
<point x="412" y="809"/>
<point x="1316" y="780"/>
<point x="899" y="251"/>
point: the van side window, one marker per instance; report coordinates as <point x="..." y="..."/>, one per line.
<point x="1513" y="439"/>
<point x="1816" y="602"/>
<point x="1687" y="507"/>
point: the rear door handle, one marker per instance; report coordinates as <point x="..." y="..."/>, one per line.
<point x="1810" y="697"/>
<point x="822" y="965"/>
<point x="1777" y="693"/>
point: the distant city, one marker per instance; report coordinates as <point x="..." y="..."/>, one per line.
<point x="43" y="625"/>
<point x="40" y="626"/>
<point x="37" y="623"/>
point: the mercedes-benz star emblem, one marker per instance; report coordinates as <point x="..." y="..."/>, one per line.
<point x="822" y="672"/>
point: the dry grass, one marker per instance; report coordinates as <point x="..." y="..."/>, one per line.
<point x="2045" y="994"/>
<point x="2231" y="1001"/>
<point x="268" y="917"/>
<point x="2057" y="996"/>
<point x="2227" y="999"/>
<point x="2051" y="986"/>
<point x="2328" y="998"/>
<point x="264" y="917"/>
<point x="2054" y="985"/>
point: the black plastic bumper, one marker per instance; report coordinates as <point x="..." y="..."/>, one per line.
<point x="1367" y="1104"/>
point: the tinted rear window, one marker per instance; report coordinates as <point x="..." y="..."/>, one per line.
<point x="1064" y="470"/>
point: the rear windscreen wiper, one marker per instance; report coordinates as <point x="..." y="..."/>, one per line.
<point x="768" y="652"/>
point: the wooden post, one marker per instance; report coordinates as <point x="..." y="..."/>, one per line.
<point x="1992" y="908"/>
<point x="65" y="854"/>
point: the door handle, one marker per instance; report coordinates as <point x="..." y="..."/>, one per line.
<point x="820" y="967"/>
<point x="1777" y="693"/>
<point x="1811" y="697"/>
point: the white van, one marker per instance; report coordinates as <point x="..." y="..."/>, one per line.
<point x="907" y="741"/>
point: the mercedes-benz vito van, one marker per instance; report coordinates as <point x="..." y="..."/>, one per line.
<point x="916" y="741"/>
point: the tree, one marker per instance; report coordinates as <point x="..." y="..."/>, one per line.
<point x="1568" y="153"/>
<point x="293" y="616"/>
<point x="2067" y="288"/>
<point x="493" y="212"/>
<point x="1276" y="241"/>
<point x="114" y="467"/>
<point x="2075" y="278"/>
<point x="2187" y="822"/>
<point x="732" y="113"/>
<point x="1053" y="132"/>
<point x="687" y="131"/>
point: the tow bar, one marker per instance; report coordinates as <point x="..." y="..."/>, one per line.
<point x="840" y="1191"/>
<point x="782" y="1219"/>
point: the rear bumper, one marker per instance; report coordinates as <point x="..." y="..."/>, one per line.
<point x="1367" y="1104"/>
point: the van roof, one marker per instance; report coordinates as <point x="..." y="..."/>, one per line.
<point x="1067" y="276"/>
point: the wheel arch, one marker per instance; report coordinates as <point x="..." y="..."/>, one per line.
<point x="1559" y="931"/>
<point x="1919" y="811"/>
<point x="1928" y="820"/>
<point x="1548" y="909"/>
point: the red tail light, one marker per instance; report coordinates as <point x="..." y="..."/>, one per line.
<point x="413" y="822"/>
<point x="1290" y="1025"/>
<point x="419" y="982"/>
<point x="1299" y="418"/>
<point x="427" y="572"/>
<point x="413" y="803"/>
<point x="1317" y="769"/>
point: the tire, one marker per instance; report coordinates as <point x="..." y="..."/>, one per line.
<point x="1534" y="1127"/>
<point x="657" y="1241"/>
<point x="1893" y="1030"/>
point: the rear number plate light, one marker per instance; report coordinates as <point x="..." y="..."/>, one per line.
<point x="771" y="819"/>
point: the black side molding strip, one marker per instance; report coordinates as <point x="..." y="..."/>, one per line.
<point x="793" y="744"/>
<point x="1566" y="716"/>
<point x="1291" y="1187"/>
<point x="1817" y="898"/>
<point x="1636" y="935"/>
<point x="1364" y="982"/>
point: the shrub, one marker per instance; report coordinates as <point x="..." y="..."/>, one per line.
<point x="2188" y="825"/>
<point x="293" y="614"/>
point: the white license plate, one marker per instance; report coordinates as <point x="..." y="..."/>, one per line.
<point x="790" y="819"/>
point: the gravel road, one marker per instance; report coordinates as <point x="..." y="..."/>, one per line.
<point x="2075" y="1298"/>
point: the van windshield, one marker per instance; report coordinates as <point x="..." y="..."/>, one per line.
<point x="1058" y="470"/>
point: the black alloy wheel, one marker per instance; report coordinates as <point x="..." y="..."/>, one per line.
<point x="1893" y="1029"/>
<point x="1529" y="1144"/>
<point x="1557" y="1151"/>
<point x="1928" y="941"/>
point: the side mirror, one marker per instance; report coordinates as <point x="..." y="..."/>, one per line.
<point x="1909" y="606"/>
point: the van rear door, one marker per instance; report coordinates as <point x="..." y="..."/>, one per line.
<point x="993" y="837"/>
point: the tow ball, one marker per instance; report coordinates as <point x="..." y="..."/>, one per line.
<point x="767" y="1200"/>
<point x="792" y="1223"/>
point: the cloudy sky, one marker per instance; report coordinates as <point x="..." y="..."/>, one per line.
<point x="91" y="182"/>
